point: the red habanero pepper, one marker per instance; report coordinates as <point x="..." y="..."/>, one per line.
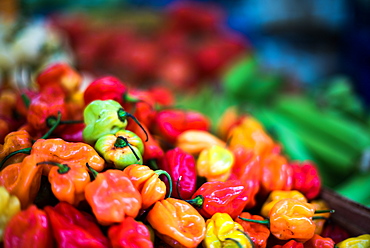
<point x="105" y="88"/>
<point x="72" y="228"/>
<point x="335" y="232"/>
<point x="319" y="242"/>
<point x="306" y="179"/>
<point x="162" y="96"/>
<point x="129" y="233"/>
<point x="24" y="99"/>
<point x="229" y="197"/>
<point x="73" y="133"/>
<point x="179" y="163"/>
<point x="29" y="228"/>
<point x="290" y="244"/>
<point x="257" y="232"/>
<point x="170" y="123"/>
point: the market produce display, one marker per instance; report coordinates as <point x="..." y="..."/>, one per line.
<point x="127" y="168"/>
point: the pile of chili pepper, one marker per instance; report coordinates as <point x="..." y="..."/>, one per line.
<point x="114" y="166"/>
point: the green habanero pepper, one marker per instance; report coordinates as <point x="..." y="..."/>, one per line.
<point x="104" y="117"/>
<point x="121" y="149"/>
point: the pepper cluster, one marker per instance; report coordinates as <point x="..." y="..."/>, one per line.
<point x="112" y="166"/>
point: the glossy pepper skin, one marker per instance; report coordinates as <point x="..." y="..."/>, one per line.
<point x="306" y="179"/>
<point x="121" y="149"/>
<point x="112" y="197"/>
<point x="105" y="88"/>
<point x="320" y="204"/>
<point x="278" y="195"/>
<point x="129" y="233"/>
<point x="170" y="123"/>
<point x="180" y="164"/>
<point x="361" y="241"/>
<point x="9" y="206"/>
<point x="257" y="232"/>
<point x="102" y="118"/>
<point x="15" y="141"/>
<point x="292" y="219"/>
<point x="147" y="182"/>
<point x="290" y="244"/>
<point x="222" y="231"/>
<point x="22" y="180"/>
<point x="29" y="228"/>
<point x="185" y="227"/>
<point x="60" y="151"/>
<point x="72" y="228"/>
<point x="229" y="197"/>
<point x="195" y="141"/>
<point x="319" y="242"/>
<point x="215" y="163"/>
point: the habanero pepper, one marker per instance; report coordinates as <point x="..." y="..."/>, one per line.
<point x="229" y="197"/>
<point x="112" y="196"/>
<point x="290" y="244"/>
<point x="319" y="242"/>
<point x="180" y="164"/>
<point x="335" y="232"/>
<point x="121" y="149"/>
<point x="73" y="228"/>
<point x="306" y="178"/>
<point x="257" y="232"/>
<point x="215" y="163"/>
<point x="15" y="141"/>
<point x="359" y="241"/>
<point x="9" y="206"/>
<point x="184" y="226"/>
<point x="129" y="233"/>
<point x="29" y="228"/>
<point x="222" y="231"/>
<point x="147" y="182"/>
<point x="162" y="96"/>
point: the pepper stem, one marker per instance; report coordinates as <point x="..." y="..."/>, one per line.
<point x="248" y="237"/>
<point x="319" y="218"/>
<point x="163" y="172"/>
<point x="52" y="122"/>
<point x="264" y="222"/>
<point x="196" y="202"/>
<point x="235" y="241"/>
<point x="63" y="168"/>
<point x="152" y="164"/>
<point x="122" y="142"/>
<point x="325" y="211"/>
<point x="26" y="100"/>
<point x="25" y="150"/>
<point x="122" y="115"/>
<point x="93" y="172"/>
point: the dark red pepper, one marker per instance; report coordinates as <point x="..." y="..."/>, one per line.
<point x="179" y="163"/>
<point x="73" y="228"/>
<point x="306" y="179"/>
<point x="335" y="232"/>
<point x="129" y="233"/>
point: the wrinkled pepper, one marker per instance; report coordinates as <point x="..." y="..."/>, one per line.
<point x="228" y="120"/>
<point x="22" y="180"/>
<point x="170" y="123"/>
<point x="306" y="179"/>
<point x="257" y="232"/>
<point x="180" y="164"/>
<point x="319" y="242"/>
<point x="72" y="228"/>
<point x="15" y="141"/>
<point x="320" y="204"/>
<point x="121" y="149"/>
<point x="361" y="241"/>
<point x="147" y="182"/>
<point x="215" y="163"/>
<point x="29" y="228"/>
<point x="290" y="244"/>
<point x="278" y="195"/>
<point x="112" y="197"/>
<point x="195" y="141"/>
<point x="335" y="232"/>
<point x="229" y="197"/>
<point x="129" y="233"/>
<point x="184" y="227"/>
<point x="222" y="231"/>
<point x="9" y="206"/>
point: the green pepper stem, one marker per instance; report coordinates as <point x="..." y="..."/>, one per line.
<point x="319" y="218"/>
<point x="122" y="142"/>
<point x="53" y="124"/>
<point x="264" y="222"/>
<point x="325" y="211"/>
<point x="71" y="122"/>
<point x="26" y="100"/>
<point x="152" y="164"/>
<point x="93" y="172"/>
<point x="25" y="150"/>
<point x="122" y="115"/>
<point x="63" y="168"/>
<point x="196" y="202"/>
<point x="248" y="237"/>
<point x="163" y="172"/>
<point x="235" y="241"/>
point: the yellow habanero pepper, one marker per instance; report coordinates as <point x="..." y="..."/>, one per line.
<point x="222" y="232"/>
<point x="278" y="195"/>
<point x="362" y="241"/>
<point x="9" y="206"/>
<point x="215" y="163"/>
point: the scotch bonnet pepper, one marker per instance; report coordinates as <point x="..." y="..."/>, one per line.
<point x="13" y="142"/>
<point x="306" y="179"/>
<point x="319" y="242"/>
<point x="359" y="241"/>
<point x="257" y="232"/>
<point x="9" y="206"/>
